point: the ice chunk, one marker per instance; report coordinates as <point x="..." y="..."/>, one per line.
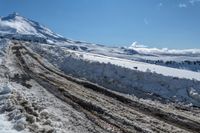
<point x="194" y="94"/>
<point x="5" y="90"/>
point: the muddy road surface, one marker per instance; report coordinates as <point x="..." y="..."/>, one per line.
<point x="107" y="110"/>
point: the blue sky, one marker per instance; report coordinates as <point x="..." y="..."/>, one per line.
<point x="155" y="23"/>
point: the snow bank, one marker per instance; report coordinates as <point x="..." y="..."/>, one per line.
<point x="182" y="59"/>
<point x="194" y="94"/>
<point x="166" y="71"/>
<point x="123" y="77"/>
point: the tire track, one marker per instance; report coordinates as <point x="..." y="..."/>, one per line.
<point x="98" y="113"/>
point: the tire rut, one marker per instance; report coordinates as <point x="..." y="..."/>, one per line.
<point x="98" y="114"/>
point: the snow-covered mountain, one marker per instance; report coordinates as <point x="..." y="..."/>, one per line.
<point x="14" y="24"/>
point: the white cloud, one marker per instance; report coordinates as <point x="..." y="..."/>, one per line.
<point x="194" y="1"/>
<point x="160" y="4"/>
<point x="137" y="45"/>
<point x="146" y="50"/>
<point x="182" y="5"/>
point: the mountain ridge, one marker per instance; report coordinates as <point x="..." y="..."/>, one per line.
<point x="16" y="24"/>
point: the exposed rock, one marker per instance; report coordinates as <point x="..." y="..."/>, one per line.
<point x="30" y="118"/>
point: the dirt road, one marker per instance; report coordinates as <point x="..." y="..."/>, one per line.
<point x="106" y="109"/>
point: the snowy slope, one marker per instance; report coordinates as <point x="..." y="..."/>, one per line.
<point x="141" y="66"/>
<point x="182" y="59"/>
<point x="16" y="24"/>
